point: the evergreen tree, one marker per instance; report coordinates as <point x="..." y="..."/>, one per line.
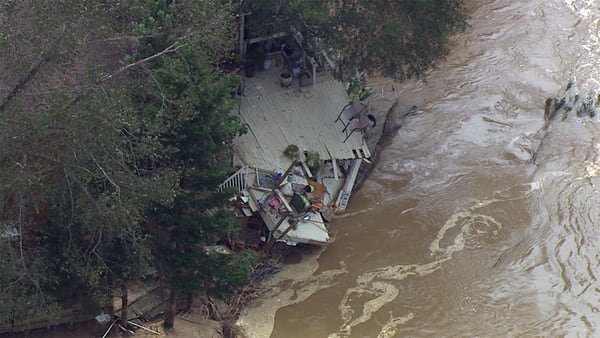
<point x="108" y="108"/>
<point x="192" y="103"/>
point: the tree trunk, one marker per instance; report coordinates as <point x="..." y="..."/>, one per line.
<point x="190" y="301"/>
<point x="30" y="74"/>
<point x="161" y="283"/>
<point x="217" y="314"/>
<point x="171" y="310"/>
<point x="124" y="305"/>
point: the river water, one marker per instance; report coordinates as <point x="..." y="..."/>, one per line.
<point x="456" y="233"/>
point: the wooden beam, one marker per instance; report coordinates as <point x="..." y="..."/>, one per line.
<point x="285" y="174"/>
<point x="143" y="327"/>
<point x="290" y="227"/>
<point x="344" y="195"/>
<point x="260" y="189"/>
<point x="283" y="217"/>
<point x="336" y="174"/>
<point x="273" y="239"/>
<point x="306" y="169"/>
<point x="283" y="201"/>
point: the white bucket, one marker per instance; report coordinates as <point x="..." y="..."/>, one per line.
<point x="267" y="64"/>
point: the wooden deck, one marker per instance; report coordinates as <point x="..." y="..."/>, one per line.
<point x="304" y="116"/>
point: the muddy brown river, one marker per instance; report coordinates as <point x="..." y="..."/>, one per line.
<point x="455" y="233"/>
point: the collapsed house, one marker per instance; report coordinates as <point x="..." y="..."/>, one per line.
<point x="290" y="205"/>
<point x="304" y="146"/>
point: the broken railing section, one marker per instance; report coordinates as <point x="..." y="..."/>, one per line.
<point x="291" y="207"/>
<point x="296" y="204"/>
<point x="239" y="180"/>
<point x="570" y="103"/>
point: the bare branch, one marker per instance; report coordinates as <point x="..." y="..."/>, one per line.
<point x="173" y="47"/>
<point x="72" y="208"/>
<point x="126" y="37"/>
<point x="84" y="189"/>
<point x="22" y="253"/>
<point x="117" y="187"/>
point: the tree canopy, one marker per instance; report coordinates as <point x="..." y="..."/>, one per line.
<point x="398" y="38"/>
<point x="116" y="129"/>
<point x="108" y="110"/>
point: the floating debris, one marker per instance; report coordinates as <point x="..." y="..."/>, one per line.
<point x="583" y="106"/>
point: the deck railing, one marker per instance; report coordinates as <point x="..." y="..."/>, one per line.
<point x="239" y="180"/>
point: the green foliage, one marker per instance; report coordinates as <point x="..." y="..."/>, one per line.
<point x="191" y="103"/>
<point x="314" y="162"/>
<point x="229" y="272"/>
<point x="183" y="233"/>
<point x="357" y="88"/>
<point x="291" y="151"/>
<point x="237" y="59"/>
<point x="397" y="38"/>
<point x="100" y="122"/>
<point x="270" y="16"/>
<point x="209" y="25"/>
<point x="403" y="41"/>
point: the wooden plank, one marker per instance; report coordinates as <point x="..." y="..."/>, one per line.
<point x="281" y="219"/>
<point x="247" y="211"/>
<point x="273" y="239"/>
<point x="344" y="196"/>
<point x="366" y="150"/>
<point x="336" y="169"/>
<point x="284" y="201"/>
<point x="306" y="169"/>
<point x="303" y="116"/>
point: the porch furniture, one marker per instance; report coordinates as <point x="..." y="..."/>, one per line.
<point x="350" y="111"/>
<point x="359" y="124"/>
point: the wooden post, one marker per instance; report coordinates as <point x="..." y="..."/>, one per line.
<point x="242" y="37"/>
<point x="169" y="322"/>
<point x="272" y="232"/>
<point x="124" y="304"/>
<point x="283" y="217"/>
<point x="285" y="174"/>
<point x="290" y="210"/>
<point x="290" y="228"/>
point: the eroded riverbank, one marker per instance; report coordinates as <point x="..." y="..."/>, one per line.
<point x="298" y="279"/>
<point x="455" y="232"/>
